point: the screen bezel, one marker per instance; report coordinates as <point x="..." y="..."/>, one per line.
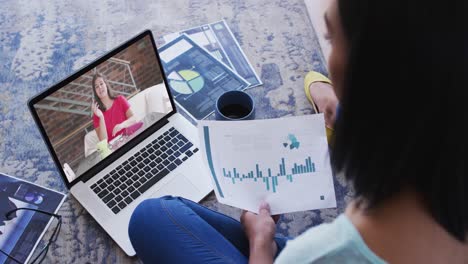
<point x="125" y="148"/>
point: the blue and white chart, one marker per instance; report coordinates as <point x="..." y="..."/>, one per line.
<point x="218" y="39"/>
<point x="195" y="77"/>
<point x="284" y="162"/>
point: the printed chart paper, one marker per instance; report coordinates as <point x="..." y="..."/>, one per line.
<point x="195" y="77"/>
<point x="284" y="162"/>
<point x="217" y="38"/>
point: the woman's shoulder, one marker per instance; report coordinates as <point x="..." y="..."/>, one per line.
<point x="332" y="242"/>
<point x="120" y="98"/>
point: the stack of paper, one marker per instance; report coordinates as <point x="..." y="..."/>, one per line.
<point x="202" y="63"/>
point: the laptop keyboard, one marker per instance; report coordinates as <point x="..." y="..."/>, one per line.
<point x="141" y="171"/>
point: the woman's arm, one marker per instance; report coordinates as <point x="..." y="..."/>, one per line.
<point x="101" y="130"/>
<point x="260" y="230"/>
<point x="131" y="119"/>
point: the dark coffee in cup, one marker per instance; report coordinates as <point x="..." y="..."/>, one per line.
<point x="235" y="111"/>
<point x="235" y="105"/>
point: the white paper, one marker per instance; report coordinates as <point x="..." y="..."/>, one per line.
<point x="242" y="145"/>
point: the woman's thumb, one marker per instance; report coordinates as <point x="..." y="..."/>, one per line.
<point x="264" y="209"/>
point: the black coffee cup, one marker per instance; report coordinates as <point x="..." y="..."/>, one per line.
<point x="235" y="105"/>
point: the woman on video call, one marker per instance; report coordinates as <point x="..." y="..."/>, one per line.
<point x="111" y="113"/>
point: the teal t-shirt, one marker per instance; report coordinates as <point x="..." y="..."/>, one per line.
<point x="336" y="242"/>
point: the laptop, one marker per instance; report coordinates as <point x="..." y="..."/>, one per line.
<point x="147" y="150"/>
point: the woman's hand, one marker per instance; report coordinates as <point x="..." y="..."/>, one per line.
<point x="117" y="128"/>
<point x="260" y="230"/>
<point x="96" y="110"/>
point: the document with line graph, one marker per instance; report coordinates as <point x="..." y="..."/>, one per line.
<point x="283" y="161"/>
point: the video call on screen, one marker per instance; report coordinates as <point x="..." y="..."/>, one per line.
<point x="128" y="94"/>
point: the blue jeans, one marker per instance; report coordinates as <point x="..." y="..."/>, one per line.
<point x="176" y="230"/>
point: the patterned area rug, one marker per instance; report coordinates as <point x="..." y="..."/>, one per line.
<point x="44" y="41"/>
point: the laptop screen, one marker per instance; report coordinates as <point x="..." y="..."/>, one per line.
<point x="103" y="107"/>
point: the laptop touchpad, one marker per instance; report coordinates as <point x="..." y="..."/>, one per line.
<point x="179" y="186"/>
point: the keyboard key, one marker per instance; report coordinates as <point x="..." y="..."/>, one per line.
<point x="111" y="203"/>
<point x="180" y="143"/>
<point x="166" y="162"/>
<point x="139" y="159"/>
<point x="171" y="167"/>
<point x="195" y="150"/>
<point x="133" y="163"/>
<point x="141" y="165"/>
<point x="169" y="152"/>
<point x="147" y="168"/>
<point x="100" y="181"/>
<point x="97" y="189"/>
<point x="163" y="148"/>
<point x="166" y="138"/>
<point x="164" y="155"/>
<point x="115" y="176"/>
<point x="137" y="184"/>
<point x="189" y="153"/>
<point x="166" y="133"/>
<point x="103" y="193"/>
<point x="116" y="209"/>
<point x="177" y="153"/>
<point x="172" y="129"/>
<point x="158" y="160"/>
<point x="142" y="180"/>
<point x="118" y="198"/>
<point x="110" y="188"/>
<point x="135" y="194"/>
<point x="184" y="158"/>
<point x="135" y="170"/>
<point x="122" y="205"/>
<point x="160" y="167"/>
<point x="141" y="173"/>
<point x="135" y="177"/>
<point x="131" y="188"/>
<point x="113" y="172"/>
<point x="171" y="158"/>
<point x="152" y="164"/>
<point x="117" y="182"/>
<point x="153" y="180"/>
<point x="181" y="137"/>
<point x="178" y="161"/>
<point x="108" y="197"/>
<point x="186" y="147"/>
<point x="94" y="186"/>
<point x="125" y="193"/>
<point x="127" y="167"/>
<point x="129" y="182"/>
<point x="128" y="200"/>
<point x="154" y="171"/>
<point x="158" y="152"/>
<point x="175" y="147"/>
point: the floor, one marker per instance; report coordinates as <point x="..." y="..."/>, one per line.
<point x="44" y="41"/>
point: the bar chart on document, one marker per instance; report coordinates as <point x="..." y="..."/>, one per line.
<point x="284" y="162"/>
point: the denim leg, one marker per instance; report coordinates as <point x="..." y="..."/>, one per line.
<point x="230" y="228"/>
<point x="166" y="230"/>
<point x="170" y="229"/>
